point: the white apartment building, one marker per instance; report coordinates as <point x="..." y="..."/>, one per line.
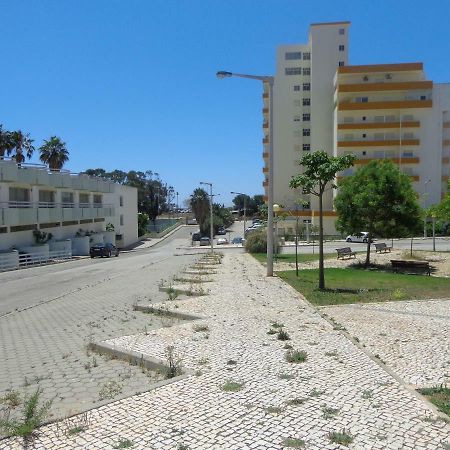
<point x="375" y="111"/>
<point x="61" y="203"/>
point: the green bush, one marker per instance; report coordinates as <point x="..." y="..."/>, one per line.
<point x="256" y="242"/>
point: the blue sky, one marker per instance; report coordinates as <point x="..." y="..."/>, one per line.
<point x="131" y="84"/>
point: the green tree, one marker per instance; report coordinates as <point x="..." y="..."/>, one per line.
<point x="54" y="153"/>
<point x="442" y="211"/>
<point x="319" y="171"/>
<point x="142" y="223"/>
<point x="200" y="206"/>
<point x="22" y="143"/>
<point x="379" y="199"/>
<point x="6" y="142"/>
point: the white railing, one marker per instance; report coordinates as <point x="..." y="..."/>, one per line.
<point x="28" y="259"/>
<point x="17" y="204"/>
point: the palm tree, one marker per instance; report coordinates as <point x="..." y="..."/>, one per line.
<point x="54" y="153"/>
<point x="22" y="143"/>
<point x="6" y="142"/>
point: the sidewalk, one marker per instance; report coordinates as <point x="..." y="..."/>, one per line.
<point x="243" y="394"/>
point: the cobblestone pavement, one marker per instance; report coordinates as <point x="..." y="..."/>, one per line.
<point x="412" y="337"/>
<point x="46" y="345"/>
<point x="244" y="394"/>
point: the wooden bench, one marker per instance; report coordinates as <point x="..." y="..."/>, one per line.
<point x="410" y="265"/>
<point x="382" y="247"/>
<point x="345" y="252"/>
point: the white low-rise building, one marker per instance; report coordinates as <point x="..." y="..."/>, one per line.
<point x="64" y="204"/>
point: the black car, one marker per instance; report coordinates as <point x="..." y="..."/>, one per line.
<point x="102" y="250"/>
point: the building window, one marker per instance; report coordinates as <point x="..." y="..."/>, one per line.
<point x="306" y="132"/>
<point x="306" y="86"/>
<point x="293" y="55"/>
<point x="306" y="117"/>
<point x="296" y="118"/>
<point x="306" y="147"/>
<point x="364" y="118"/>
<point x="423" y="97"/>
<point x="97" y="200"/>
<point x="341" y="48"/>
<point x="121" y="200"/>
<point x="306" y="56"/>
<point x="361" y="99"/>
<point x="306" y="71"/>
<point x="67" y="199"/>
<point x="306" y="101"/>
<point x="46" y="199"/>
<point x="121" y="220"/>
<point x="341" y="64"/>
<point x="297" y="87"/>
<point x="84" y="200"/>
<point x="293" y="71"/>
<point x="341" y="31"/>
<point x="364" y="135"/>
<point x="19" y="197"/>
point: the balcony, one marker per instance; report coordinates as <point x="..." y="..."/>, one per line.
<point x="40" y="175"/>
<point x="265" y="155"/>
<point x="398" y="104"/>
<point x="378" y="125"/>
<point x="265" y="170"/>
<point x="380" y="87"/>
<point x="396" y="160"/>
<point x="265" y="183"/>
<point x="379" y="143"/>
<point x="265" y="140"/>
<point x="28" y="213"/>
<point x="266" y="125"/>
<point x="265" y="95"/>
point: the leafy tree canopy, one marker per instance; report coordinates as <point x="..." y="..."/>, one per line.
<point x="380" y="199"/>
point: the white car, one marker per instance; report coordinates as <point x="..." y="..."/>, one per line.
<point x="222" y="241"/>
<point x="360" y="237"/>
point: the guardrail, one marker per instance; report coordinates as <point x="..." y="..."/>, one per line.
<point x="28" y="259"/>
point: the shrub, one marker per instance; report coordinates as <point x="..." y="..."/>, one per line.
<point x="256" y="242"/>
<point x="296" y="356"/>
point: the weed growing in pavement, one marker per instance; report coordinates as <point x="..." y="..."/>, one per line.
<point x="110" y="389"/>
<point x="315" y="393"/>
<point x="296" y="356"/>
<point x="286" y="376"/>
<point x="11" y="399"/>
<point x="340" y="437"/>
<point x="75" y="430"/>
<point x="272" y="331"/>
<point x="174" y="363"/>
<point x="123" y="443"/>
<point x="283" y="335"/>
<point x="232" y="386"/>
<point x="200" y="327"/>
<point x="329" y="413"/>
<point x="296" y="401"/>
<point x="74" y="425"/>
<point x="293" y="443"/>
<point x="231" y="362"/>
<point x="182" y="447"/>
<point x="367" y="393"/>
<point x="172" y="293"/>
<point x="274" y="410"/>
<point x="277" y="325"/>
<point x="33" y="415"/>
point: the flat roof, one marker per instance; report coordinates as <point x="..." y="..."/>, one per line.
<point x="346" y="22"/>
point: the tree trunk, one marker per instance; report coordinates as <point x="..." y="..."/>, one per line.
<point x="321" y="270"/>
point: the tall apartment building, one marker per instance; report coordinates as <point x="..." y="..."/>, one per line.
<point x="373" y="111"/>
<point x="60" y="203"/>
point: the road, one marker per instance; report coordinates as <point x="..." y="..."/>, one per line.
<point x="48" y="314"/>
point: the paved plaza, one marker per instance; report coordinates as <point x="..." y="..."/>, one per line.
<point x="242" y="393"/>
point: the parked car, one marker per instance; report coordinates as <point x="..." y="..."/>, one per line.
<point x="360" y="237"/>
<point x="238" y="241"/>
<point x="221" y="231"/>
<point x="256" y="221"/>
<point x="205" y="241"/>
<point x="222" y="241"/>
<point x="102" y="250"/>
<point x="196" y="236"/>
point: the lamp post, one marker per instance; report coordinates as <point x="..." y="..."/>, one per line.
<point x="245" y="207"/>
<point x="433" y="218"/>
<point x="276" y="209"/>
<point x="211" y="228"/>
<point x="270" y="80"/>
<point x="177" y="203"/>
<point x="425" y="218"/>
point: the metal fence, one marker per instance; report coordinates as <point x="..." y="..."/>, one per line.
<point x="29" y="259"/>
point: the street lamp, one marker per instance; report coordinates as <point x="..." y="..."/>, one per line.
<point x="245" y="206"/>
<point x="211" y="229"/>
<point x="425" y="218"/>
<point x="270" y="80"/>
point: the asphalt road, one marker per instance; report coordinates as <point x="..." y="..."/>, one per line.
<point x="23" y="288"/>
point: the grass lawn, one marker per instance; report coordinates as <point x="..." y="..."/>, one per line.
<point x="439" y="396"/>
<point x="352" y="285"/>
<point x="290" y="258"/>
